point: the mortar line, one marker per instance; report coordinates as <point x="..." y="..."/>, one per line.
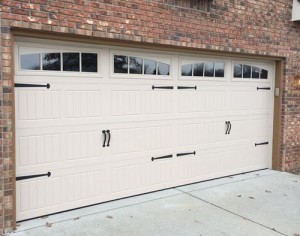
<point x="236" y="214"/>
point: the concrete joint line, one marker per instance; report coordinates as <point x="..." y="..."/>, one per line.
<point x="237" y="181"/>
<point x="245" y="218"/>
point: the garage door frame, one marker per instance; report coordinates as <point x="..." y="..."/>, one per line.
<point x="278" y="76"/>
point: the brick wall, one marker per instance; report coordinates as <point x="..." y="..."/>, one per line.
<point x="247" y="26"/>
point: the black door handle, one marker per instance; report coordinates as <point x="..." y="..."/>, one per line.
<point x="108" y="131"/>
<point x="227" y="126"/>
<point x="104" y="132"/>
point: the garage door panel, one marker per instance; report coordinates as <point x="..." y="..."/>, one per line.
<point x="159" y="102"/>
<point x="166" y="128"/>
<point x="57" y="191"/>
<point x="249" y="99"/>
<point x="257" y="157"/>
<point x="260" y="127"/>
<point x="126" y="103"/>
<point x="37" y="105"/>
<point x="209" y="100"/>
<point x="84" y="104"/>
<point x="38" y="149"/>
<point x="142" y="101"/>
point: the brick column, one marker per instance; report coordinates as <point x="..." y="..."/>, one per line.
<point x="6" y="134"/>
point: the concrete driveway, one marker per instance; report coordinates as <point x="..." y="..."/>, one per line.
<point x="259" y="203"/>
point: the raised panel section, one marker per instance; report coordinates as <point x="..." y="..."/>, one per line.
<point x="126" y="103"/>
<point x="246" y="99"/>
<point x="159" y="137"/>
<point x="85" y="144"/>
<point x="201" y="134"/>
<point x="38" y="149"/>
<point x="127" y="140"/>
<point x="38" y="105"/>
<point x="84" y="104"/>
<point x="260" y="127"/>
<point x="39" y="194"/>
<point x="159" y="102"/>
<point x="202" y="101"/>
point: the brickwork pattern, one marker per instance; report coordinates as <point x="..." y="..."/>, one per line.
<point x="246" y="26"/>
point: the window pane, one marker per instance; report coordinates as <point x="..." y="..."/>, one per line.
<point x="89" y="62"/>
<point x="163" y="69"/>
<point x="209" y="69"/>
<point x="246" y="71"/>
<point x="198" y="69"/>
<point x="136" y="65"/>
<point x="71" y="61"/>
<point x="186" y="70"/>
<point x="264" y="74"/>
<point x="51" y="61"/>
<point x="30" y="62"/>
<point x="149" y="67"/>
<point x="238" y="71"/>
<point x="120" y="64"/>
<point x="219" y="69"/>
<point x="255" y="72"/>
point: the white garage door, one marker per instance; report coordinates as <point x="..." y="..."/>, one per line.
<point x="115" y="122"/>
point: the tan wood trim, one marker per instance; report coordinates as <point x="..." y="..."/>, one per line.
<point x="14" y="216"/>
<point x="133" y="44"/>
<point x="277" y="118"/>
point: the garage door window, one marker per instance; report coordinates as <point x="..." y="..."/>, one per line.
<point x="51" y="61"/>
<point x="242" y="71"/>
<point x="71" y="62"/>
<point x="138" y="65"/>
<point x="60" y="61"/>
<point x="209" y="69"/>
<point x="31" y="62"/>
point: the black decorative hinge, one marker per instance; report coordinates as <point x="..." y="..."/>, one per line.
<point x="185" y="87"/>
<point x="17" y="85"/>
<point x="32" y="176"/>
<point x="162" y="157"/>
<point x="263" y="88"/>
<point x="260" y="144"/>
<point x="162" y="87"/>
<point x="185" y="154"/>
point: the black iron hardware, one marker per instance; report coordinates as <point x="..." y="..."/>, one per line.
<point x="162" y="157"/>
<point x="259" y="144"/>
<point x="32" y="85"/>
<point x="32" y="176"/>
<point x="185" y="154"/>
<point x="184" y="87"/>
<point x="263" y="88"/>
<point x="162" y="87"/>
<point x="104" y="132"/>
<point x="108" y="131"/>
<point x="227" y="127"/>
